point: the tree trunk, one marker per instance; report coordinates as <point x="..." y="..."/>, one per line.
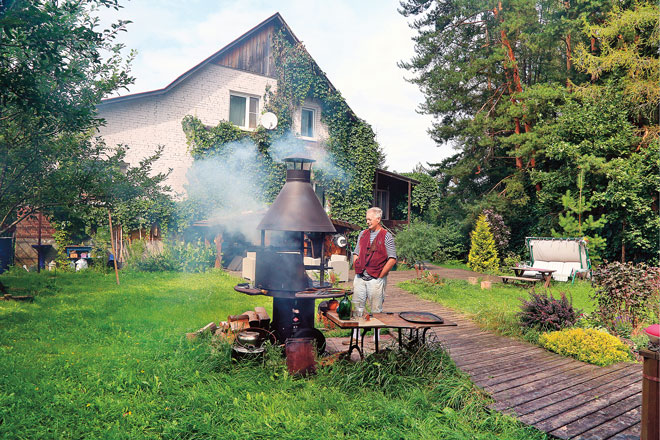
<point x="515" y="76"/>
<point x="623" y="242"/>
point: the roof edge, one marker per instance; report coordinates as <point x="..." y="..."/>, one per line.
<point x="275" y="17"/>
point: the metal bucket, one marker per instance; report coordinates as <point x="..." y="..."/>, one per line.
<point x="300" y="358"/>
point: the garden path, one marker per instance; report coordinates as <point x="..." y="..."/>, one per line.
<point x="561" y="396"/>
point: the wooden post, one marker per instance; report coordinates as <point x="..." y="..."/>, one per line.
<point x="40" y="217"/>
<point x="218" y="250"/>
<point x="112" y="242"/>
<point x="409" y="197"/>
<point x="650" y="395"/>
<point x="375" y="202"/>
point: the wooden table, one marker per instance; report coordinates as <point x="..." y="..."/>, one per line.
<point x="546" y="274"/>
<point x="383" y="320"/>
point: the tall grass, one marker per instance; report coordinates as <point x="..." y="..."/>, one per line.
<point x="90" y="359"/>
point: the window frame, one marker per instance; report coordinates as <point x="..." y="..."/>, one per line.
<point x="247" y="97"/>
<point x="314" y="128"/>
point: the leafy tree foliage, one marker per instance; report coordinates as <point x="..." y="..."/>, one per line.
<point x="55" y="66"/>
<point x="532" y="91"/>
<point x="420" y="241"/>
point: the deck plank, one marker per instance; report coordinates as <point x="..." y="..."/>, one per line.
<point x="599" y="417"/>
<point x="566" y="411"/>
<point x="592" y="385"/>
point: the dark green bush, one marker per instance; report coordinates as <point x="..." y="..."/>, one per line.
<point x="625" y="291"/>
<point x="421" y="241"/>
<point x="544" y="312"/>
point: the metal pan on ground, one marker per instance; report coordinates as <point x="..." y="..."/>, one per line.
<point x="421" y="317"/>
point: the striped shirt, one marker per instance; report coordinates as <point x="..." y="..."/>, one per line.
<point x="389" y="243"/>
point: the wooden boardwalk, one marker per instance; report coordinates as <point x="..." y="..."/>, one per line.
<point x="563" y="397"/>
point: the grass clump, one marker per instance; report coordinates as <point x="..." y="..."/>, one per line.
<point x="587" y="345"/>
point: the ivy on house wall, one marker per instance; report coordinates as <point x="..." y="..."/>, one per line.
<point x="351" y="145"/>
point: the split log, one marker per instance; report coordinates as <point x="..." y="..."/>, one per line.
<point x="253" y="318"/>
<point x="264" y="319"/>
<point x="238" y="322"/>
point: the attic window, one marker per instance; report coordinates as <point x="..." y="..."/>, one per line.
<point x="243" y="109"/>
<point x="307" y="123"/>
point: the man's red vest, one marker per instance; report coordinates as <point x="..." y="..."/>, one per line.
<point x="372" y="257"/>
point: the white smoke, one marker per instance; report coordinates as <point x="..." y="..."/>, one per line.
<point x="229" y="186"/>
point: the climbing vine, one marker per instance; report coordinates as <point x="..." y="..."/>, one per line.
<point x="351" y="146"/>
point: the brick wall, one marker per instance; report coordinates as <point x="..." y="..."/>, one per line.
<point x="145" y="123"/>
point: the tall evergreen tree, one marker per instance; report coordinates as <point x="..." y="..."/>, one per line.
<point x="530" y="91"/>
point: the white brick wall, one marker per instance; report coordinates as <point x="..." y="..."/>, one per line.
<point x="145" y="123"/>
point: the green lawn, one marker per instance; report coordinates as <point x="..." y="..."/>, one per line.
<point x="495" y="308"/>
<point x="89" y="359"/>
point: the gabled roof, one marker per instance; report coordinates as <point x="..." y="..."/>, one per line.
<point x="276" y="19"/>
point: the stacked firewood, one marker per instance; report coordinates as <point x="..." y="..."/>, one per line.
<point x="235" y="323"/>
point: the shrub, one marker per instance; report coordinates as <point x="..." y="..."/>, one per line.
<point x="501" y="232"/>
<point x="544" y="312"/>
<point x="624" y="291"/>
<point x="587" y="345"/>
<point x="178" y="257"/>
<point x="421" y="241"/>
<point x="483" y="253"/>
<point x="511" y="260"/>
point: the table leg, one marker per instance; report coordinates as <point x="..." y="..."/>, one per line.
<point x="356" y="346"/>
<point x="547" y="278"/>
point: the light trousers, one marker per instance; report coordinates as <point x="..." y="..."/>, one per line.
<point x="369" y="293"/>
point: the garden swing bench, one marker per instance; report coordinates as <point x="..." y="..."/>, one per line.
<point x="568" y="257"/>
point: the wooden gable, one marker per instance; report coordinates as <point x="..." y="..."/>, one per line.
<point x="252" y="53"/>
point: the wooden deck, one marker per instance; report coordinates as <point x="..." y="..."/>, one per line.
<point x="563" y="397"/>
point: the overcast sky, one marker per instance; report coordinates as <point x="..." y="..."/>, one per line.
<point x="357" y="44"/>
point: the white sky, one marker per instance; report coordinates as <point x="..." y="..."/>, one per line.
<point x="356" y="43"/>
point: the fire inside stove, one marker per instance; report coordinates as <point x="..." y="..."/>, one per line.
<point x="295" y="218"/>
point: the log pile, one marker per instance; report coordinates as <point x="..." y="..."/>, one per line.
<point x="257" y="318"/>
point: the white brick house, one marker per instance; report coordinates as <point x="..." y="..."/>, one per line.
<point x="229" y="85"/>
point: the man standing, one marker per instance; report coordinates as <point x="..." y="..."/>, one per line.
<point x="373" y="257"/>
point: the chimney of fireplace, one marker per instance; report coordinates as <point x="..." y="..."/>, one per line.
<point x="297" y="208"/>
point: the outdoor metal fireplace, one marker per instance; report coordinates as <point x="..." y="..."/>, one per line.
<point x="295" y="216"/>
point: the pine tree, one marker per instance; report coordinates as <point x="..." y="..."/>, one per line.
<point x="483" y="253"/>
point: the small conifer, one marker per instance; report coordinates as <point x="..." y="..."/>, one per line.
<point x="483" y="253"/>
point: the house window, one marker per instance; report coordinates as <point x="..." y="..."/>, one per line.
<point x="383" y="202"/>
<point x="307" y="123"/>
<point x="243" y="111"/>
